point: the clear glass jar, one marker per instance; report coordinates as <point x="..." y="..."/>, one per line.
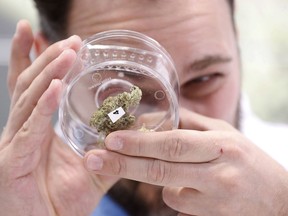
<point x="109" y="64"/>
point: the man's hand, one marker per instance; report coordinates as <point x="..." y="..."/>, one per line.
<point x="40" y="175"/>
<point x="206" y="168"/>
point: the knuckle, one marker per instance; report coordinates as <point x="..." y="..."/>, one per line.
<point x="118" y="166"/>
<point x="158" y="172"/>
<point x="22" y="109"/>
<point x="236" y="152"/>
<point x="22" y="82"/>
<point x="229" y="179"/>
<point x="234" y="149"/>
<point x="173" y="147"/>
<point x="25" y="128"/>
<point x="138" y="147"/>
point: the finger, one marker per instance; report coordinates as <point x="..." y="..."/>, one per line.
<point x="26" y="103"/>
<point x="175" y="145"/>
<point x="147" y="170"/>
<point x="149" y="120"/>
<point x="50" y="54"/>
<point x="188" y="201"/>
<point x="34" y="135"/>
<point x="194" y="121"/>
<point x="20" y="53"/>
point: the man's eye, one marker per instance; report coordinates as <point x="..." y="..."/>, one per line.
<point x="202" y="79"/>
<point x="203" y="85"/>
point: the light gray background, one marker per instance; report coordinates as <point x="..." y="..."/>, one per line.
<point x="263" y="36"/>
<point x="6" y="32"/>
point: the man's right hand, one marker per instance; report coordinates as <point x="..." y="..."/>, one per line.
<point x="39" y="174"/>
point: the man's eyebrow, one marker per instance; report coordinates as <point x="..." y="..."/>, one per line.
<point x="209" y="60"/>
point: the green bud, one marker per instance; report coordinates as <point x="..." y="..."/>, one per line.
<point x="103" y="123"/>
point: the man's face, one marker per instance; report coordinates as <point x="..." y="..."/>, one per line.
<point x="198" y="34"/>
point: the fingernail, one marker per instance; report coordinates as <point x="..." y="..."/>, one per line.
<point x="17" y="29"/>
<point x="71" y="40"/>
<point x="67" y="42"/>
<point x="94" y="162"/>
<point x="114" y="144"/>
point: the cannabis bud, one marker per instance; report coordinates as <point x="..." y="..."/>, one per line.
<point x="114" y="114"/>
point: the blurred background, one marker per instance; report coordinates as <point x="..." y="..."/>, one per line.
<point x="263" y="35"/>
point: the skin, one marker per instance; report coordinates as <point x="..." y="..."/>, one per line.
<point x="206" y="167"/>
<point x="223" y="78"/>
<point x="36" y="167"/>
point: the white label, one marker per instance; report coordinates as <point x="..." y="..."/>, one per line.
<point x="116" y="114"/>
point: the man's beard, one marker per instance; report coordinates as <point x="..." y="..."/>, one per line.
<point x="238" y="115"/>
<point x="141" y="199"/>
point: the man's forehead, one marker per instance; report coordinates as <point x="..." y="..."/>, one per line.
<point x="158" y="5"/>
<point x="155" y="6"/>
<point x="89" y="16"/>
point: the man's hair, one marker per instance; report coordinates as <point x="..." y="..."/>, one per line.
<point x="53" y="15"/>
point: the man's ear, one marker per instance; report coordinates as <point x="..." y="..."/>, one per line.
<point x="40" y="43"/>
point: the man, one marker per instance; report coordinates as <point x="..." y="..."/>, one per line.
<point x="206" y="167"/>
